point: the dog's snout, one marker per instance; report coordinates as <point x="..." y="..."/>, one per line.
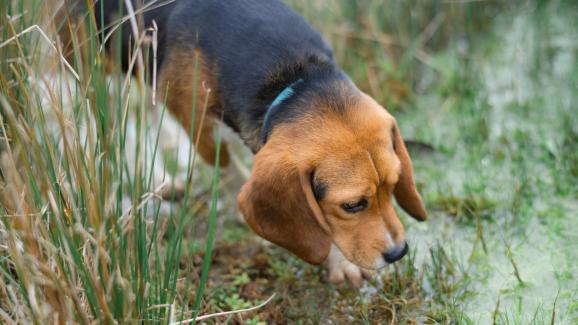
<point x="396" y="253"/>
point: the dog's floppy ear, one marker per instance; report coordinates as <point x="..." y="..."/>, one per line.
<point x="405" y="192"/>
<point x="278" y="203"/>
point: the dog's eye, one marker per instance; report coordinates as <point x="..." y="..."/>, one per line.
<point x="355" y="207"/>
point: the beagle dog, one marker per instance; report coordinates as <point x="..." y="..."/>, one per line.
<point x="328" y="159"/>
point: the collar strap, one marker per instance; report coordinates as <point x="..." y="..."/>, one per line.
<point x="285" y="94"/>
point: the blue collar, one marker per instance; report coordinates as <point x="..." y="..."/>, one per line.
<point x="283" y="95"/>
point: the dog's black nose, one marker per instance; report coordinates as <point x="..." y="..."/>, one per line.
<point x="396" y="253"/>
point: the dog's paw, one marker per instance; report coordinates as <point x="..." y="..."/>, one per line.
<point x="339" y="268"/>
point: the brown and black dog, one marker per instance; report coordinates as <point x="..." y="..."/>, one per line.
<point x="328" y="158"/>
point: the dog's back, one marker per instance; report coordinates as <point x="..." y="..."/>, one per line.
<point x="255" y="47"/>
<point x="251" y="42"/>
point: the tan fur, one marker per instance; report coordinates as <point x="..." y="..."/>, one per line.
<point x="177" y="80"/>
<point x="357" y="154"/>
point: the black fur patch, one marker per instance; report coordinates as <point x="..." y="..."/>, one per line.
<point x="319" y="188"/>
<point x="257" y="48"/>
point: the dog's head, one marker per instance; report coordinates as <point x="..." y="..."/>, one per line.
<point x="330" y="178"/>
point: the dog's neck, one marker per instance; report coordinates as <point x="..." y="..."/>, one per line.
<point x="283" y="96"/>
<point x="305" y="93"/>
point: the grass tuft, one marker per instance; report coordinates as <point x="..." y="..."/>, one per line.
<point x="83" y="236"/>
